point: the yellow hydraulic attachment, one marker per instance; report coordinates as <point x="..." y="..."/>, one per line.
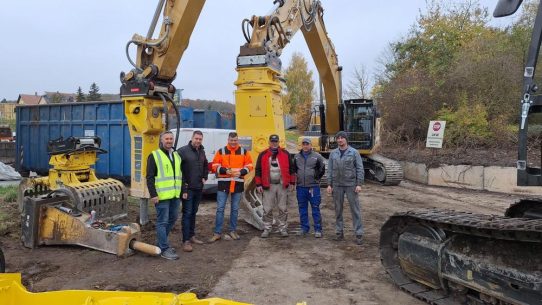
<point x="258" y="100"/>
<point x="12" y="292"/>
<point x="52" y="220"/>
<point x="147" y="89"/>
<point x="72" y="206"/>
<point x="72" y="159"/>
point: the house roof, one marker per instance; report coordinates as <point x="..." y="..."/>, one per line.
<point x="29" y="99"/>
<point x="59" y="97"/>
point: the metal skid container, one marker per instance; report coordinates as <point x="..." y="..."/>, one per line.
<point x="37" y="124"/>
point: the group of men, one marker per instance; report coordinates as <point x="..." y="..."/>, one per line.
<point x="174" y="176"/>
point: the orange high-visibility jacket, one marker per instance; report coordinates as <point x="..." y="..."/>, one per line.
<point x="232" y="159"/>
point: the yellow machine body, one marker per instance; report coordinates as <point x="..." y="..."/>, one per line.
<point x="258" y="108"/>
<point x="12" y="292"/>
<point x="144" y="115"/>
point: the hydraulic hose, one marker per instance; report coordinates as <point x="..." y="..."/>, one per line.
<point x="178" y="127"/>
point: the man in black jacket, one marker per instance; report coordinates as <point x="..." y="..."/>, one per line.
<point x="194" y="169"/>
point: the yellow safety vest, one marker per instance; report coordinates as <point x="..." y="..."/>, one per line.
<point x="167" y="185"/>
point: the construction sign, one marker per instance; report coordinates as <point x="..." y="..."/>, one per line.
<point x="435" y="134"/>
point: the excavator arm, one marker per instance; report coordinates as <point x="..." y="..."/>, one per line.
<point x="259" y="84"/>
<point x="272" y="33"/>
<point x="147" y="89"/>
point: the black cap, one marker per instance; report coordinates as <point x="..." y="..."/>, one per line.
<point x="274" y="138"/>
<point x="341" y="134"/>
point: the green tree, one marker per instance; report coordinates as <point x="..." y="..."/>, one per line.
<point x="80" y="95"/>
<point x="299" y="91"/>
<point x="452" y="64"/>
<point x="435" y="41"/>
<point x="94" y="93"/>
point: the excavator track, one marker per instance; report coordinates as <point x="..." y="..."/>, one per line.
<point x="383" y="170"/>
<point x="450" y="257"/>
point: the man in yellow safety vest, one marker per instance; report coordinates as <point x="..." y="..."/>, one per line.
<point x="164" y="184"/>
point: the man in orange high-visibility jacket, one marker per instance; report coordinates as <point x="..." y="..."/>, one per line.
<point x="231" y="163"/>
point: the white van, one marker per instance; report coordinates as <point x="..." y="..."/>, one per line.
<point x="213" y="140"/>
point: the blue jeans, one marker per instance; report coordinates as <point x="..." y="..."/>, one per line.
<point x="190" y="208"/>
<point x="221" y="198"/>
<point x="304" y="196"/>
<point x="167" y="212"/>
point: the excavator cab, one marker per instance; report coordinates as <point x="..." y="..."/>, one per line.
<point x="359" y="122"/>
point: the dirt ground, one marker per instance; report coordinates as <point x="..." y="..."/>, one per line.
<point x="271" y="271"/>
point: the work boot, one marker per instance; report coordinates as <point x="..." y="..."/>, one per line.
<point x="318" y="234"/>
<point x="196" y="241"/>
<point x="359" y="239"/>
<point x="187" y="246"/>
<point x="265" y="234"/>
<point x="214" y="238"/>
<point x="170" y="254"/>
<point x="234" y="235"/>
<point x="338" y="237"/>
<point x="284" y="233"/>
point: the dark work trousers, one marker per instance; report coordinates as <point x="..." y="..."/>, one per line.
<point x="190" y="208"/>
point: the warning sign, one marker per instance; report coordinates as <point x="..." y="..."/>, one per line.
<point x="435" y="134"/>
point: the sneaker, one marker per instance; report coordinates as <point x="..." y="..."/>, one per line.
<point x="302" y="233"/>
<point x="196" y="241"/>
<point x="234" y="235"/>
<point x="170" y="254"/>
<point x="187" y="246"/>
<point x="284" y="233"/>
<point x="359" y="239"/>
<point x="318" y="234"/>
<point x="265" y="234"/>
<point x="215" y="237"/>
<point x="338" y="237"/>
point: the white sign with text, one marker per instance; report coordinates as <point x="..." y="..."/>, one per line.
<point x="435" y="134"/>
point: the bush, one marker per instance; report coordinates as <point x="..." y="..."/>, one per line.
<point x="467" y="126"/>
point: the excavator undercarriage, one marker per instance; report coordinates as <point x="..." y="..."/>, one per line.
<point x="450" y="257"/>
<point x="382" y="170"/>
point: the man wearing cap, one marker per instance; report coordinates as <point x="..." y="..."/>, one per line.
<point x="345" y="177"/>
<point x="310" y="168"/>
<point x="274" y="175"/>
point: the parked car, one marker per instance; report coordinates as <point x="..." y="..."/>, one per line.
<point x="213" y="140"/>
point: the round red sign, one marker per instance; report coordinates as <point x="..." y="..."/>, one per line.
<point x="436" y="126"/>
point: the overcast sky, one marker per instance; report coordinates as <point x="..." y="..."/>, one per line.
<point x="59" y="45"/>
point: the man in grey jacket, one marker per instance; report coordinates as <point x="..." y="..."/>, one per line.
<point x="345" y="177"/>
<point x="310" y="168"/>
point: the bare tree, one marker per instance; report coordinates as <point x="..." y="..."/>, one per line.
<point x="358" y="87"/>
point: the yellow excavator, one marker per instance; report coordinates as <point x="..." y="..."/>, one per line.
<point x="147" y="92"/>
<point x="450" y="257"/>
<point x="259" y="83"/>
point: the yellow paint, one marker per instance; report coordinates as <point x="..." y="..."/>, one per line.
<point x="144" y="115"/>
<point x="12" y="292"/>
<point x="257" y="113"/>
